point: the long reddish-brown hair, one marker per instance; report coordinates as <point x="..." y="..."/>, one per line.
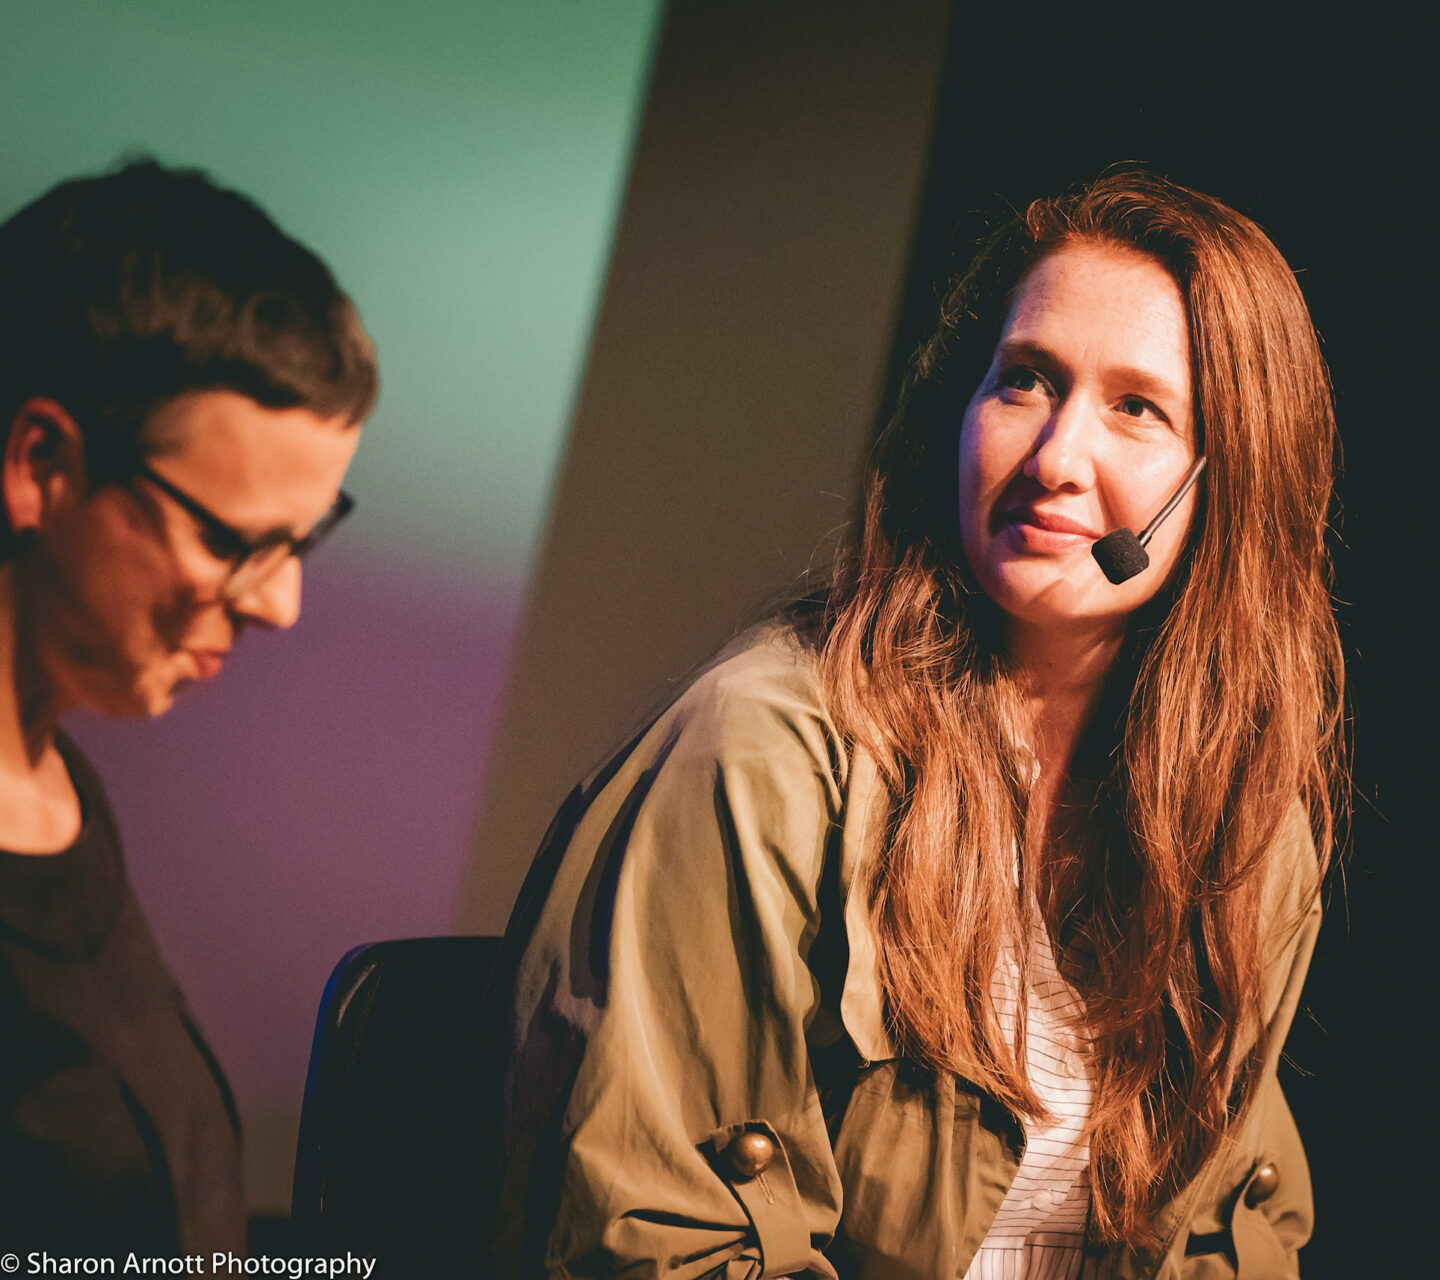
<point x="1222" y="713"/>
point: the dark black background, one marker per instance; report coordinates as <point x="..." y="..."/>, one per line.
<point x="1313" y="128"/>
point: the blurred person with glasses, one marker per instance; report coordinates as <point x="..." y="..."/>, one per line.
<point x="181" y="386"/>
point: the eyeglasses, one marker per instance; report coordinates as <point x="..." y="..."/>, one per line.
<point x="251" y="560"/>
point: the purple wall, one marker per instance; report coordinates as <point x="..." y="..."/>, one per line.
<point x="319" y="794"/>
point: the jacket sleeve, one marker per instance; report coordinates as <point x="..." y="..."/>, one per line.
<point x="661" y="1113"/>
<point x="1256" y="1209"/>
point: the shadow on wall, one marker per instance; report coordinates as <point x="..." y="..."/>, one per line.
<point x="736" y="371"/>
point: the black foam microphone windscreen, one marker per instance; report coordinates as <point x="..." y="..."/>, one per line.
<point x="1121" y="554"/>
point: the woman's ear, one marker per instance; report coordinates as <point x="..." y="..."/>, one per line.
<point x="44" y="463"/>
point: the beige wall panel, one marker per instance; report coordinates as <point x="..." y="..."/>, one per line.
<point x="734" y="377"/>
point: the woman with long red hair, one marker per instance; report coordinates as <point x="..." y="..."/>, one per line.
<point x="952" y="923"/>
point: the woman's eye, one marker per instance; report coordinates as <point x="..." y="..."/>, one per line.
<point x="1138" y="407"/>
<point x="1023" y="381"/>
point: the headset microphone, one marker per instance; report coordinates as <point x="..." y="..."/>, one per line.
<point x="1121" y="554"/>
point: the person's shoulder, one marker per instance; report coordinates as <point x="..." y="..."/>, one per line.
<point x="773" y="661"/>
<point x="763" y="691"/>
<point x="751" y="722"/>
<point x="1293" y="871"/>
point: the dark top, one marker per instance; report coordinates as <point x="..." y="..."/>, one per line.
<point x="117" y="1128"/>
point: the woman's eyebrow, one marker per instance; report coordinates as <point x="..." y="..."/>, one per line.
<point x="1146" y="382"/>
<point x="1025" y="350"/>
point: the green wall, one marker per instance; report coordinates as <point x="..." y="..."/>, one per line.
<point x="460" y="164"/>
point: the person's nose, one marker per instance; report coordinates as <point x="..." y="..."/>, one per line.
<point x="274" y="601"/>
<point x="1063" y="456"/>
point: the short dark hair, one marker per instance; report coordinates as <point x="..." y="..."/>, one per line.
<point x="121" y="291"/>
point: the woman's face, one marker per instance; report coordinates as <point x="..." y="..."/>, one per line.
<point x="1082" y="425"/>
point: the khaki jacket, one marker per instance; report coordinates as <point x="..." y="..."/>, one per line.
<point x="698" y="969"/>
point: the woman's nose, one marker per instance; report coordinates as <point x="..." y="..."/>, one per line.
<point x="1063" y="456"/>
<point x="274" y="601"/>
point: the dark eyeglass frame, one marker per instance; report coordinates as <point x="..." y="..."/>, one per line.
<point x="251" y="560"/>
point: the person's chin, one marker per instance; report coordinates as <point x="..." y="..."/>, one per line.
<point x="162" y="703"/>
<point x="1026" y="584"/>
<point x="155" y="696"/>
<point x="1049" y="594"/>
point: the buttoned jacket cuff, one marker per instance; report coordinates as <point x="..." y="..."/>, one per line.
<point x="761" y="1180"/>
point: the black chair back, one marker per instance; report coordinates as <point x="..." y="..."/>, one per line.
<point x="397" y="1155"/>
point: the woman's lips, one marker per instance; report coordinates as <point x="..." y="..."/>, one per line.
<point x="1045" y="531"/>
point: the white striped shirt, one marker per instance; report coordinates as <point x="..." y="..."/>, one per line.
<point x="1039" y="1231"/>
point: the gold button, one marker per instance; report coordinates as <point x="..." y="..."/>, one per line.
<point x="1263" y="1185"/>
<point x="750" y="1154"/>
